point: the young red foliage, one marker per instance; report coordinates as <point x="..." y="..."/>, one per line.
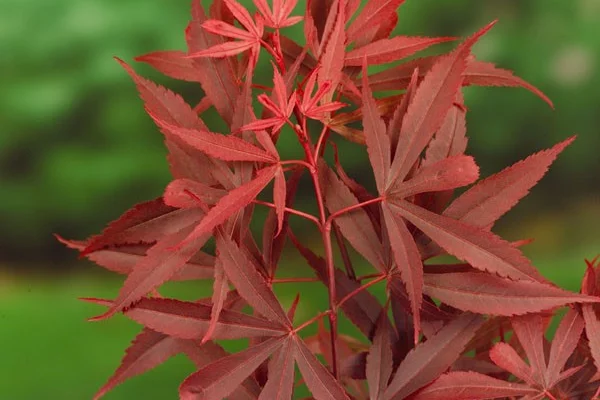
<point x="446" y="337"/>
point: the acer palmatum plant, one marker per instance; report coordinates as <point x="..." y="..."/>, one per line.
<point x="444" y="331"/>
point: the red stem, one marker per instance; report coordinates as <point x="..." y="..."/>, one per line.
<point x="312" y="320"/>
<point x="325" y="228"/>
<point x="354" y="207"/>
<point x="291" y="211"/>
<point x="360" y="289"/>
<point x="295" y="280"/>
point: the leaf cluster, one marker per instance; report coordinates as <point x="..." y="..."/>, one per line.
<point x="445" y="331"/>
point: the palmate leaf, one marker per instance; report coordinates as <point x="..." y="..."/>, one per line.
<point x="540" y="375"/>
<point x="530" y="331"/>
<point x="187" y="320"/>
<point x="481" y="248"/>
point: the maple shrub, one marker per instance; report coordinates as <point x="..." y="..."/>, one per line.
<point x="473" y="329"/>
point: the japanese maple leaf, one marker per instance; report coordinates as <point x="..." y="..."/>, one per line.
<point x="308" y="103"/>
<point x="435" y="93"/>
<point x="541" y="373"/>
<point x="282" y="108"/>
<point x="279" y="16"/>
<point x="249" y="39"/>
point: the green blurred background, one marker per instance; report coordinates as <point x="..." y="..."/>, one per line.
<point x="76" y="150"/>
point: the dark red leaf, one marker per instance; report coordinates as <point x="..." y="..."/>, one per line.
<point x="480" y="248"/>
<point x="248" y="281"/>
<point x="592" y="329"/>
<point x="210" y="352"/>
<point x="492" y="197"/>
<point x="446" y="174"/>
<point x="487" y="74"/>
<point x="232" y="202"/>
<point x="530" y="331"/>
<point x="279" y="191"/>
<point x="471" y="385"/>
<point x="160" y="103"/>
<point x="378" y="142"/>
<point x="220" y="290"/>
<point x="379" y="359"/>
<point x="408" y="262"/>
<point x="219" y="378"/>
<point x="216" y="76"/>
<point x="488" y="294"/>
<point x="503" y="355"/>
<point x="430" y="359"/>
<point x="433" y="99"/>
<point x="172" y="63"/>
<point x="332" y="57"/>
<point x="280" y="385"/>
<point x="564" y="343"/>
<point x="395" y="124"/>
<point x="187" y="320"/>
<point x="388" y="50"/>
<point x="145" y="222"/>
<point x="161" y="262"/>
<point x="148" y="350"/>
<point x="477" y="73"/>
<point x="319" y="380"/>
<point x="373" y="14"/>
<point x="123" y="258"/>
<point x="450" y="139"/>
<point x="177" y="194"/>
<point x="228" y="148"/>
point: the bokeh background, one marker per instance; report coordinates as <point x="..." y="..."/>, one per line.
<point x="76" y="150"/>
